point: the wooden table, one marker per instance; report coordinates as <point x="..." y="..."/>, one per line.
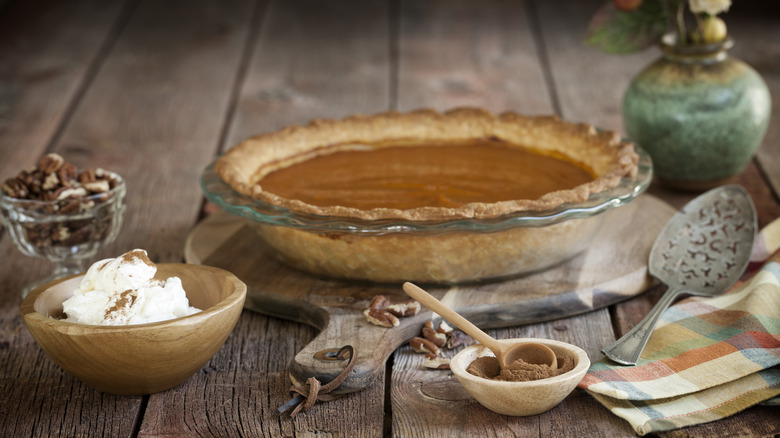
<point x="156" y="90"/>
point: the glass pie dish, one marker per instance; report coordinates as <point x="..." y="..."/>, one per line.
<point x="440" y="252"/>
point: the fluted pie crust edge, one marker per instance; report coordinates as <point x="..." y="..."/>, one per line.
<point x="603" y="153"/>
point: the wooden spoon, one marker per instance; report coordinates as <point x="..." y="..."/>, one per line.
<point x="529" y="352"/>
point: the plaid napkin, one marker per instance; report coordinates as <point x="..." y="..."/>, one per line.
<point x="708" y="358"/>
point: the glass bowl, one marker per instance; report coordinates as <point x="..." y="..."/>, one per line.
<point x="443" y="252"/>
<point x="65" y="232"/>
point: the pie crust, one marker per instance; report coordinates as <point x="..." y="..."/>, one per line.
<point x="460" y="255"/>
<point x="602" y="153"/>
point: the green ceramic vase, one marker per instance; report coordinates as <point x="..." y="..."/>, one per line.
<point x="700" y="114"/>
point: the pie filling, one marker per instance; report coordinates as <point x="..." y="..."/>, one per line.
<point x="412" y="176"/>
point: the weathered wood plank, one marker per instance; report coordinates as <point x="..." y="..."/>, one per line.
<point x="458" y="53"/>
<point x="237" y="393"/>
<point x="464" y="53"/>
<point x="314" y="60"/>
<point x="170" y="81"/>
<point x="752" y="179"/>
<point x="156" y="111"/>
<point x="48" y="51"/>
<point x="432" y="403"/>
<point x="310" y="60"/>
<point x="755" y="31"/>
<point x="589" y="84"/>
<point x="163" y="89"/>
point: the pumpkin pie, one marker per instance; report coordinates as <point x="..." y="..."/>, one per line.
<point x="428" y="167"/>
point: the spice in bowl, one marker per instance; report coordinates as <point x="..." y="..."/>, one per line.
<point x="524" y="396"/>
<point x="488" y="367"/>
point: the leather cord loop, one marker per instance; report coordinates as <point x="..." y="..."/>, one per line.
<point x="306" y="395"/>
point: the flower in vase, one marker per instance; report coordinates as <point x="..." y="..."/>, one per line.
<point x="627" y="26"/>
<point x="709" y="7"/>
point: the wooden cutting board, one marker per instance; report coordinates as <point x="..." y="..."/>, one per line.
<point x="613" y="269"/>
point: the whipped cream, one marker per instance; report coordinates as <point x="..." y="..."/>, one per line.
<point x="123" y="291"/>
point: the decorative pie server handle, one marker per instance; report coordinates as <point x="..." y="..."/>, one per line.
<point x="626" y="350"/>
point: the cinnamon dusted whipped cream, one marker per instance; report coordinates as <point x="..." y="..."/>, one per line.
<point x="123" y="291"/>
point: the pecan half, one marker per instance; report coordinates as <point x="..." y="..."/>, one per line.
<point x="50" y="163"/>
<point x="68" y="193"/>
<point x="67" y="173"/>
<point x="51" y="182"/>
<point x="381" y="318"/>
<point x="435" y="362"/>
<point x="78" y="236"/>
<point x="444" y="328"/>
<point x="378" y="302"/>
<point x="87" y="176"/>
<point x="407" y="308"/>
<point x="421" y="345"/>
<point x="15" y="188"/>
<point x="101" y="186"/>
<point x="60" y="234"/>
<point x="432" y="335"/>
<point x="33" y="180"/>
<point x="69" y="206"/>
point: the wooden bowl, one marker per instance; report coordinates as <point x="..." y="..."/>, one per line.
<point x="521" y="398"/>
<point x="144" y="358"/>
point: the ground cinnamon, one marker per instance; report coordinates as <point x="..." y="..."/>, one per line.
<point x="487" y="367"/>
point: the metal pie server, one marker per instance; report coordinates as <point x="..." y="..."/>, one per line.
<point x="702" y="250"/>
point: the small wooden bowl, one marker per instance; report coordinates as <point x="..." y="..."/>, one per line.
<point x="521" y="398"/>
<point x="144" y="358"/>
